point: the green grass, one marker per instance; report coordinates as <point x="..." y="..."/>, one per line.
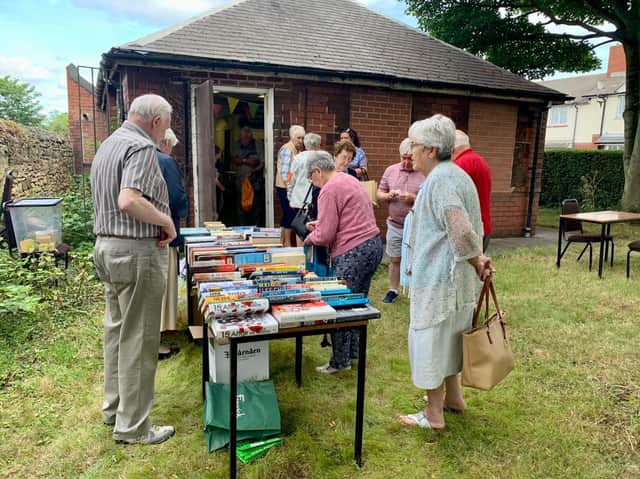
<point x="569" y="409"/>
<point x="549" y="217"/>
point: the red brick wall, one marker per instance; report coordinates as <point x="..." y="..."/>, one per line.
<point x="83" y="117"/>
<point x="617" y="61"/>
<point x="503" y="132"/>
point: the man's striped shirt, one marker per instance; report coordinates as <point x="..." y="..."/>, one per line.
<point x="126" y="159"/>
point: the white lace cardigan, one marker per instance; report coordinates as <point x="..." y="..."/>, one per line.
<point x="446" y="231"/>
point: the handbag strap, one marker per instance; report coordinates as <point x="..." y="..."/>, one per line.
<point x="487" y="289"/>
<point x="304" y="202"/>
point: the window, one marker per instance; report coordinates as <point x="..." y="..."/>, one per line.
<point x="558" y="115"/>
<point x="621" y="102"/>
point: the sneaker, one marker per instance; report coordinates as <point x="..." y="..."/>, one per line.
<point x="390" y="297"/>
<point x="327" y="369"/>
<point x="109" y="421"/>
<point x="156" y="435"/>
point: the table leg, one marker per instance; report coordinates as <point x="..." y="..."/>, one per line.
<point x="205" y="357"/>
<point x="559" y="243"/>
<point x="362" y="365"/>
<point x="299" y="361"/>
<point x="233" y="403"/>
<point x="601" y="257"/>
<point x="609" y="234"/>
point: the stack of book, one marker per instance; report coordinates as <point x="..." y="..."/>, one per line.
<point x="266" y="237"/>
<point x="302" y="314"/>
<point x="262" y="323"/>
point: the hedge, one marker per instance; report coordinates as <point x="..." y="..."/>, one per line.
<point x="563" y="168"/>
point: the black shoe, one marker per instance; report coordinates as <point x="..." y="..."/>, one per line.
<point x="173" y="350"/>
<point x="390" y="297"/>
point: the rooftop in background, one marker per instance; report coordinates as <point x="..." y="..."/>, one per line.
<point x="582" y="86"/>
<point x="330" y="37"/>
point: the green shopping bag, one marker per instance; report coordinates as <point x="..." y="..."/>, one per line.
<point x="257" y="412"/>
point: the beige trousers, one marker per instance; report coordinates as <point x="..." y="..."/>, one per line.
<point x="170" y="299"/>
<point x="134" y="275"/>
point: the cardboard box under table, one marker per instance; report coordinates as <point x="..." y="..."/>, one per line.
<point x="356" y="318"/>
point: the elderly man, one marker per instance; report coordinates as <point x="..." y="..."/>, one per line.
<point x="247" y="157"/>
<point x="399" y="186"/>
<point x="478" y="169"/>
<point x="133" y="228"/>
<point x="286" y="154"/>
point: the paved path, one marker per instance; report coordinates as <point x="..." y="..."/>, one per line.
<point x="543" y="237"/>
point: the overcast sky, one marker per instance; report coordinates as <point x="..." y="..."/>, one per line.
<point x="41" y="37"/>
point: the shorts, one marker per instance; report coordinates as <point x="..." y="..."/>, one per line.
<point x="287" y="212"/>
<point x="394" y="241"/>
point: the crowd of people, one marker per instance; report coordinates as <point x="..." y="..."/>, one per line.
<point x="438" y="227"/>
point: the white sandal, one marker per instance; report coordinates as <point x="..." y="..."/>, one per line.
<point x="420" y="420"/>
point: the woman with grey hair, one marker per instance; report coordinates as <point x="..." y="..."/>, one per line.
<point x="299" y="184"/>
<point x="446" y="267"/>
<point x="179" y="207"/>
<point x="347" y="225"/>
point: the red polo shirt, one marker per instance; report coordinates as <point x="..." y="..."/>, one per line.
<point x="476" y="167"/>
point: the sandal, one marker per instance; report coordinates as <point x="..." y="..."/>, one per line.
<point x="420" y="420"/>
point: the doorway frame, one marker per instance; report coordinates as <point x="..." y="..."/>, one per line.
<point x="268" y="106"/>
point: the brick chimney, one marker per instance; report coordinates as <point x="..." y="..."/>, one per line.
<point x="617" y="63"/>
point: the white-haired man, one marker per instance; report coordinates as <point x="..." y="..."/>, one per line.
<point x="399" y="186"/>
<point x="133" y="227"/>
<point x="286" y="154"/>
<point x="478" y="169"/>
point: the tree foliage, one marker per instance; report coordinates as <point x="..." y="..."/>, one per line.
<point x="535" y="38"/>
<point x="58" y="123"/>
<point x="19" y="102"/>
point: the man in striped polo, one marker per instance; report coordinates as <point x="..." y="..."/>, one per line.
<point x="133" y="228"/>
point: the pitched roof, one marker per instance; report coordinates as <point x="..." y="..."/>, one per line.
<point x="583" y="86"/>
<point x="332" y="36"/>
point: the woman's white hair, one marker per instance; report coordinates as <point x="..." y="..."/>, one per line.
<point x="170" y="138"/>
<point x="312" y="141"/>
<point x="150" y="105"/>
<point x="296" y="130"/>
<point x="405" y="147"/>
<point x="320" y="159"/>
<point x="437" y="131"/>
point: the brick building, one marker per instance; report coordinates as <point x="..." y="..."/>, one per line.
<point x="328" y="65"/>
<point x="87" y="122"/>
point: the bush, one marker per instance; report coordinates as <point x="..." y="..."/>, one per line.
<point x="77" y="213"/>
<point x="594" y="177"/>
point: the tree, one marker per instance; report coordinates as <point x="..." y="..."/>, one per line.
<point x="514" y="34"/>
<point x="58" y="123"/>
<point x="19" y="102"/>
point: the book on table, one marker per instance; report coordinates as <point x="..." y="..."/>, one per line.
<point x="254" y="324"/>
<point x="234" y="308"/>
<point x="295" y="314"/>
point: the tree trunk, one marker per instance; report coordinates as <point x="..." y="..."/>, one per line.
<point x="631" y="195"/>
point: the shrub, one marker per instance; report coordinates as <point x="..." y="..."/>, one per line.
<point x="594" y="177"/>
<point x="77" y="212"/>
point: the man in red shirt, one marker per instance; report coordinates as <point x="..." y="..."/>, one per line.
<point x="478" y="169"/>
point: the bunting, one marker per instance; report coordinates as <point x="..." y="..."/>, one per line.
<point x="233" y="103"/>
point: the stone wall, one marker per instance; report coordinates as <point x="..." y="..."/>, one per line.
<point x="41" y="161"/>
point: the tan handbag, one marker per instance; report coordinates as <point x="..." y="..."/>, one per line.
<point x="486" y="353"/>
<point x="371" y="187"/>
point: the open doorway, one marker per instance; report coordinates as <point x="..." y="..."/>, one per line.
<point x="233" y="150"/>
<point x="239" y="135"/>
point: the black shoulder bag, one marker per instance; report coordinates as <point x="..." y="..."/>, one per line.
<point x="300" y="220"/>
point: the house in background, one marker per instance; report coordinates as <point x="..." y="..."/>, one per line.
<point x="327" y="65"/>
<point x="593" y="119"/>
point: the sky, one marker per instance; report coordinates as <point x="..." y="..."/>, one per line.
<point x="41" y="37"/>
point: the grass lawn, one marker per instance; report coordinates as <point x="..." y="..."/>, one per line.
<point x="569" y="409"/>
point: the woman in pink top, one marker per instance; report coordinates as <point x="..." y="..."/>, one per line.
<point x="347" y="225"/>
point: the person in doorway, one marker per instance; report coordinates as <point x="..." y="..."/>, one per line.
<point x="446" y="266"/>
<point x="286" y="154"/>
<point x="359" y="161"/>
<point x="478" y="169"/>
<point x="398" y="187"/>
<point x="219" y="172"/>
<point x="133" y="228"/>
<point x="247" y="158"/>
<point x="179" y="207"/>
<point x="347" y="225"/>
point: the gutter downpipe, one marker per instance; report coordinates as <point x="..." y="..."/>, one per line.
<point x="534" y="172"/>
<point x="575" y="126"/>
